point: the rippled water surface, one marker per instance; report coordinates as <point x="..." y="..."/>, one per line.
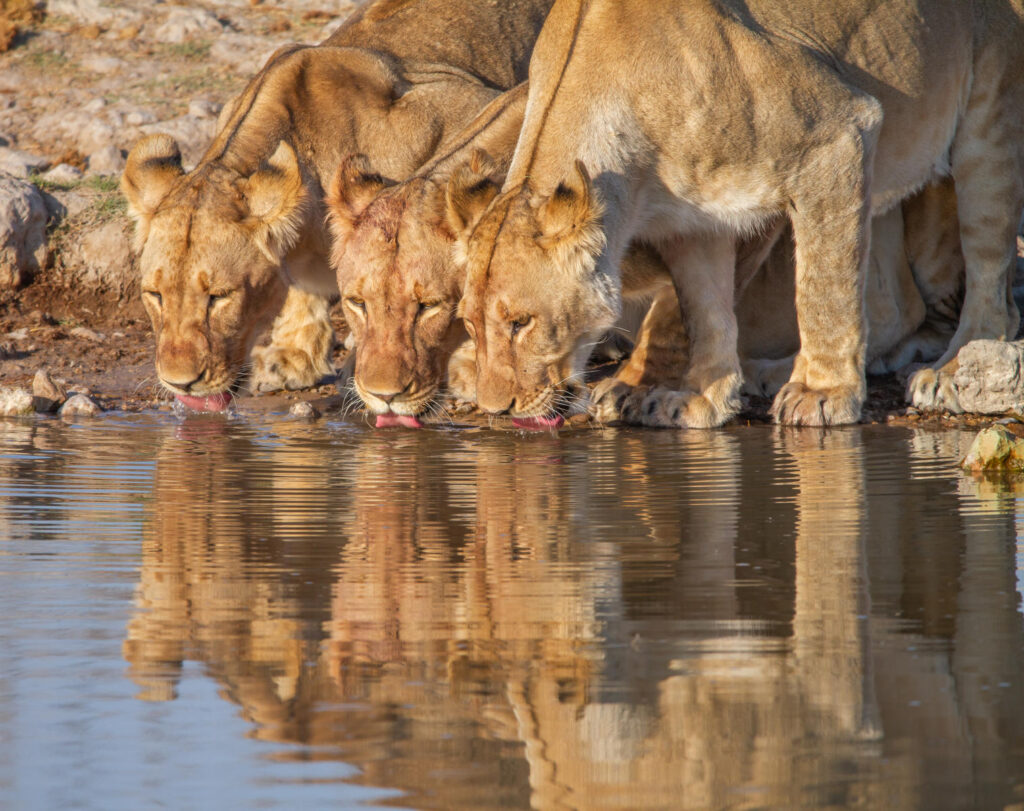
<point x="265" y="614"/>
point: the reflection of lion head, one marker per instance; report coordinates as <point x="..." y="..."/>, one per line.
<point x="532" y="319"/>
<point x="399" y="286"/>
<point x="211" y="244"/>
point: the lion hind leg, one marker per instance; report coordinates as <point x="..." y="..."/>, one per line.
<point x="299" y="354"/>
<point x="987" y="174"/>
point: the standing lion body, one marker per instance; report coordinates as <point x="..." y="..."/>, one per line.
<point x="711" y="120"/>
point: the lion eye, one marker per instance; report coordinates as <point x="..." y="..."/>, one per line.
<point x="428" y="305"/>
<point x="519" y="323"/>
<point x="155" y="296"/>
<point x="356" y="302"/>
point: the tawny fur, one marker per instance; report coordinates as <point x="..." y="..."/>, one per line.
<point x="713" y="120"/>
<point x="240" y="241"/>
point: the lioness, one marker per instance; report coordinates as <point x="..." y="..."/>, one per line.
<point x="710" y="120"/>
<point x="400" y="285"/>
<point x="223" y="244"/>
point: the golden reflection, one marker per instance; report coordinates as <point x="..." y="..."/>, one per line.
<point x="618" y="620"/>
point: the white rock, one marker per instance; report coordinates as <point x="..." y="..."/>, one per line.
<point x="204" y="108"/>
<point x="94" y="106"/>
<point x="80" y="405"/>
<point x="19" y="163"/>
<point x="94" y="12"/>
<point x="63" y="173"/>
<point x="183" y="24"/>
<point x="87" y="334"/>
<point x="990" y="377"/>
<point x="106" y="161"/>
<point x="15" y="402"/>
<point x="136" y="118"/>
<point x="23" y="215"/>
<point x="304" y="411"/>
<point x="245" y="54"/>
<point x="102" y="64"/>
<point x="103" y="259"/>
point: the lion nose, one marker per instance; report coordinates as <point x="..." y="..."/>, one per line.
<point x="388" y="396"/>
<point x="185" y="386"/>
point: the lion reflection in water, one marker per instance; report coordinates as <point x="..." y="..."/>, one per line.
<point x="485" y="616"/>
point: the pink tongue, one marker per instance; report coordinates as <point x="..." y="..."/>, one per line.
<point x="397" y="421"/>
<point x="212" y="402"/>
<point x="538" y="423"/>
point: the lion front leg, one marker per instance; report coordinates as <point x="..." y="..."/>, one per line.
<point x="832" y="234"/>
<point x="703" y="272"/>
<point x="658" y="358"/>
<point x="299" y="354"/>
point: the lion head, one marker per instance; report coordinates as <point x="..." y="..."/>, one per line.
<point x="399" y="284"/>
<point x="211" y="244"/>
<point x="534" y="301"/>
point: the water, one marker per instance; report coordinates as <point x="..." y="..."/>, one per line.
<point x="257" y="613"/>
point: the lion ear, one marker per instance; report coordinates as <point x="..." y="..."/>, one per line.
<point x="471" y="188"/>
<point x="276" y="198"/>
<point x="151" y="169"/>
<point x="570" y="211"/>
<point x="352" y="189"/>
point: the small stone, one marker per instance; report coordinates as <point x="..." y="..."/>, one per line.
<point x="87" y="334"/>
<point x="19" y="163"/>
<point x="204" y="108"/>
<point x="18" y="334"/>
<point x="304" y="411"/>
<point x="23" y="247"/>
<point x="107" y="160"/>
<point x="995" y="448"/>
<point x="63" y="174"/>
<point x="80" y="405"/>
<point x="15" y="402"/>
<point x="102" y="64"/>
<point x="94" y="106"/>
<point x="47" y="394"/>
<point x="7" y="350"/>
<point x="136" y="118"/>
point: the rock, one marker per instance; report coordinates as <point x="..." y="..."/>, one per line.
<point x="304" y="411"/>
<point x="995" y="448"/>
<point x="136" y="118"/>
<point x="87" y="334"/>
<point x="183" y="24"/>
<point x="989" y="377"/>
<point x="47" y="394"/>
<point x="244" y="53"/>
<point x="64" y="174"/>
<point x="106" y="161"/>
<point x="101" y="258"/>
<point x="19" y="163"/>
<point x="23" y="248"/>
<point x="15" y="402"/>
<point x="204" y="108"/>
<point x="98" y="63"/>
<point x="93" y="12"/>
<point x="80" y="405"/>
<point x="94" y="106"/>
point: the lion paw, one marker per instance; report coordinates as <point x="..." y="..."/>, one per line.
<point x="615" y="401"/>
<point x="276" y="368"/>
<point x="666" y="408"/>
<point x="933" y="390"/>
<point x="796" y="404"/>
